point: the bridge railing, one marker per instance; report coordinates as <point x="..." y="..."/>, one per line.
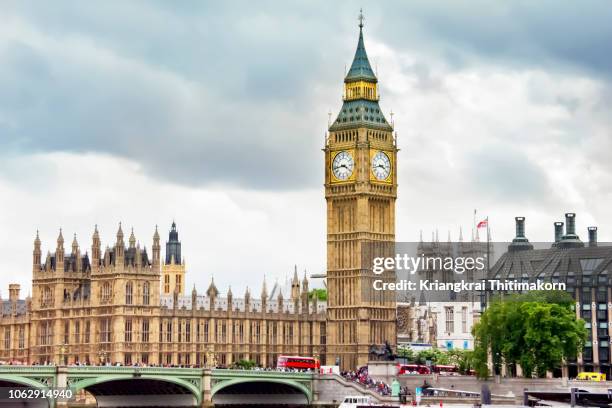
<point x="27" y="369"/>
<point x="221" y="372"/>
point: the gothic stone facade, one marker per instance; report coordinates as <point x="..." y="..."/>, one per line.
<point x="109" y="308"/>
<point x="360" y="190"/>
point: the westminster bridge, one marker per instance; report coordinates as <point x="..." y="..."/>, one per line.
<point x="160" y="386"/>
<point x="125" y="386"/>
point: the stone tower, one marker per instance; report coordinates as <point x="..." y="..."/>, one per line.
<point x="360" y="190"/>
<point x="173" y="269"/>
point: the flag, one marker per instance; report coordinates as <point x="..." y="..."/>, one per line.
<point x="483" y="223"/>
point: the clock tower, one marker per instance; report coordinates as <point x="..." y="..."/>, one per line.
<point x="360" y="190"/>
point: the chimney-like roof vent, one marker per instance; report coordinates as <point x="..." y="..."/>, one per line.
<point x="570" y="239"/>
<point x="520" y="242"/>
<point x="558" y="232"/>
<point x="592" y="236"/>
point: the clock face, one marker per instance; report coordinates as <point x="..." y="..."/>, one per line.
<point x="381" y="166"/>
<point x="343" y="165"/>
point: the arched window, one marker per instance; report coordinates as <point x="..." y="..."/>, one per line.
<point x="46" y="297"/>
<point x="145" y="293"/>
<point x="106" y="291"/>
<point x="128" y="293"/>
<point x="179" y="284"/>
<point x="167" y="284"/>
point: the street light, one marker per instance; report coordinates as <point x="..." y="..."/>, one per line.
<point x="62" y="351"/>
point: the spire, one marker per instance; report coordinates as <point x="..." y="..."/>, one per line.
<point x="212" y="289"/>
<point x="132" y="239"/>
<point x="59" y="253"/>
<point x="264" y="290"/>
<point x="36" y="254"/>
<point x="173" y="246"/>
<point x="360" y="68"/>
<point x="119" y="233"/>
<point x="75" y="245"/>
<point x="460" y="234"/>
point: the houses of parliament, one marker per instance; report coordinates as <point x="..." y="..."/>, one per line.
<point x="123" y="304"/>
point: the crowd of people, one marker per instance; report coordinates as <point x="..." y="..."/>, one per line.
<point x="361" y="377"/>
<point x="118" y="364"/>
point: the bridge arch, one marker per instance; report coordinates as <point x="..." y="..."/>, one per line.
<point x="93" y="384"/>
<point x="12" y="381"/>
<point x="291" y="384"/>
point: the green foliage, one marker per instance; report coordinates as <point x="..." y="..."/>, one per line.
<point x="462" y="359"/>
<point x="245" y="364"/>
<point x="405" y="352"/>
<point x="321" y="294"/>
<point x="537" y="330"/>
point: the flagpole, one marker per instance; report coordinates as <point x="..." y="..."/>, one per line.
<point x="488" y="251"/>
<point x="474" y="227"/>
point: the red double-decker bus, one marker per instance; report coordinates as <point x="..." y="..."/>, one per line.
<point x="298" y="362"/>
<point x="403" y="369"/>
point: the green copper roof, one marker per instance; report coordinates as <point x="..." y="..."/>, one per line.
<point x="360" y="69"/>
<point x="360" y="113"/>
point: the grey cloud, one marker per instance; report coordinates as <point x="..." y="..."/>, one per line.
<point x="230" y="92"/>
<point x="507" y="174"/>
<point x="550" y="34"/>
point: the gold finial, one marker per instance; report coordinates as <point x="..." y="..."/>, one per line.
<point x="360" y="18"/>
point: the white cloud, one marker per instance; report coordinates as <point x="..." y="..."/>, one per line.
<point x="506" y="141"/>
<point x="237" y="236"/>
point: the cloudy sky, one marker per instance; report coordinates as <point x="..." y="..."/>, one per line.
<point x="214" y="114"/>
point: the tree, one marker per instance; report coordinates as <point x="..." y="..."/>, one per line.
<point x="537" y="330"/>
<point x="405" y="352"/>
<point x="245" y="364"/>
<point x="321" y="294"/>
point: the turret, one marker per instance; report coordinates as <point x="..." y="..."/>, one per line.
<point x="14" y="289"/>
<point x="75" y="245"/>
<point x="212" y="292"/>
<point x="247" y="299"/>
<point x="305" y="308"/>
<point x="194" y="298"/>
<point x="95" y="250"/>
<point x="230" y="298"/>
<point x="173" y="246"/>
<point x="36" y="254"/>
<point x="280" y="301"/>
<point x="264" y="296"/>
<point x="156" y="251"/>
<point x="76" y="255"/>
<point x="119" y="249"/>
<point x="138" y="257"/>
<point x="132" y="239"/>
<point x="295" y="285"/>
<point x="59" y="253"/>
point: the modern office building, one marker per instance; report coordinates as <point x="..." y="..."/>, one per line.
<point x="585" y="270"/>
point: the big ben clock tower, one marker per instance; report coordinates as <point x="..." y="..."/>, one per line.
<point x="360" y="190"/>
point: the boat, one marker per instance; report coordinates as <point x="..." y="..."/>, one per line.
<point x="361" y="401"/>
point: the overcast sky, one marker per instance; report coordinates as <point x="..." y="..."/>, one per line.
<point x="214" y="114"/>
